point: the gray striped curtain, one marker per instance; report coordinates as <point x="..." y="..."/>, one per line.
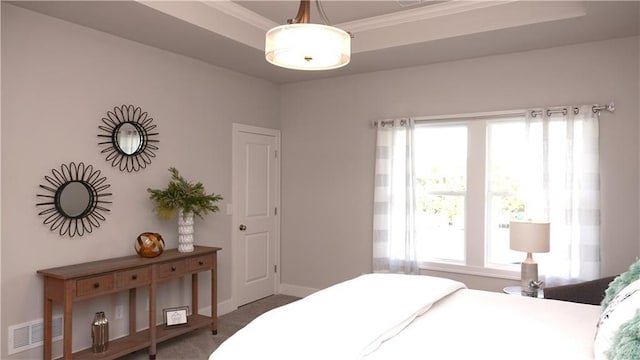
<point x="563" y="186"/>
<point x="394" y="248"/>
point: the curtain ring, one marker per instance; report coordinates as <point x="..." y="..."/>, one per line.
<point x="534" y="113"/>
<point x="576" y="110"/>
<point x="403" y="122"/>
<point x="564" y="111"/>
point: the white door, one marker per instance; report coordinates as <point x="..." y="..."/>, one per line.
<point x="255" y="218"/>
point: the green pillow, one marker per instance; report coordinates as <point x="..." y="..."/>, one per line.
<point x="626" y="342"/>
<point x="621" y="282"/>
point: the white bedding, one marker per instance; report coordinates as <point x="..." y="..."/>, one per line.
<point x="346" y="321"/>
<point x="385" y="317"/>
<point x="473" y="324"/>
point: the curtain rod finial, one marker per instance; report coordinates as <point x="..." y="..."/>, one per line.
<point x="611" y="107"/>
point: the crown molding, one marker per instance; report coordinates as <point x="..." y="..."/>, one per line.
<point x="422" y="13"/>
<point x="241" y="13"/>
<point x="450" y="7"/>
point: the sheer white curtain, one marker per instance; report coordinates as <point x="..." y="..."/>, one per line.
<point x="563" y="186"/>
<point x="394" y="248"/>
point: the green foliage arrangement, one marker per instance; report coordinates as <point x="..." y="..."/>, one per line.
<point x="181" y="193"/>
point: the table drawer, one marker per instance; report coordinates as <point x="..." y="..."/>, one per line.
<point x="171" y="269"/>
<point x="200" y="263"/>
<point x="94" y="285"/>
<point x="133" y="278"/>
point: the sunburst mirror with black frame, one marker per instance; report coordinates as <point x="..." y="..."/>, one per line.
<point x="130" y="143"/>
<point x="75" y="199"/>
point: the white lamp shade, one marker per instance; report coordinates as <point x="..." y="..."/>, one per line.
<point x="308" y="46"/>
<point x="529" y="237"/>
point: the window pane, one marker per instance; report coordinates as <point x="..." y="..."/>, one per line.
<point x="441" y="153"/>
<point x="502" y="210"/>
<point x="506" y="151"/>
<point x="441" y="182"/>
<point x="440" y="228"/>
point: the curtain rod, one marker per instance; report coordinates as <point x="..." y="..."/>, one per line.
<point x="506" y="113"/>
<point x="595" y="108"/>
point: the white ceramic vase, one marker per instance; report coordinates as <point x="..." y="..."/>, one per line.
<point x="185" y="231"/>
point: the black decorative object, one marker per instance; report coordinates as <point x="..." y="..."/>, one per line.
<point x="76" y="200"/>
<point x="130" y="145"/>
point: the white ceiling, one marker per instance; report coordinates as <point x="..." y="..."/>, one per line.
<point x="387" y="34"/>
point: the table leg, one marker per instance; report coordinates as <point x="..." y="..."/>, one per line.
<point x="68" y="320"/>
<point x="152" y="312"/>
<point x="214" y="294"/>
<point x="132" y="311"/>
<point x="48" y="314"/>
<point x="194" y="293"/>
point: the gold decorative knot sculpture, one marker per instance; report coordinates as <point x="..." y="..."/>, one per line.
<point x="149" y="244"/>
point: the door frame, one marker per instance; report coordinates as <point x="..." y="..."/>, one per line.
<point x="235" y="235"/>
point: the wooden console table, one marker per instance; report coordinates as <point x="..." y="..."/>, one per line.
<point x="67" y="284"/>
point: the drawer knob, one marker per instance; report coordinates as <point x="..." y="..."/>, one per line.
<point x="96" y="285"/>
<point x="200" y="263"/>
<point x="134" y="277"/>
<point x="173" y="268"/>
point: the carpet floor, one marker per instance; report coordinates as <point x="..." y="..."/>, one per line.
<point x="198" y="345"/>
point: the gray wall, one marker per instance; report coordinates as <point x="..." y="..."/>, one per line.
<point x="328" y="146"/>
<point x="58" y="81"/>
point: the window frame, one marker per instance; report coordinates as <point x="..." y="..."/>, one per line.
<point x="476" y="242"/>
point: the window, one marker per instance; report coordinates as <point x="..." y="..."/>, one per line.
<point x="445" y="191"/>
<point x="505" y="148"/>
<point x="444" y="177"/>
<point x="441" y="185"/>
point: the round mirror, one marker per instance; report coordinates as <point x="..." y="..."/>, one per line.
<point x="129" y="138"/>
<point x="74" y="199"/>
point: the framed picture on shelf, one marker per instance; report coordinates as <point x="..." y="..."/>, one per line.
<point x="175" y="316"/>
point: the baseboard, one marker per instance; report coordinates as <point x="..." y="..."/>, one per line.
<point x="227" y="306"/>
<point x="224" y="307"/>
<point x="295" y="290"/>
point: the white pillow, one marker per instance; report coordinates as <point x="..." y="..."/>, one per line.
<point x="621" y="309"/>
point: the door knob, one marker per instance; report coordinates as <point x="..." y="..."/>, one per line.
<point x="243" y="227"/>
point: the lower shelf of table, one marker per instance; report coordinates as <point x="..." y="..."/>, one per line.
<point x="140" y="340"/>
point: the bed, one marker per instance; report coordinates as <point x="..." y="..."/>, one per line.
<point x="389" y="316"/>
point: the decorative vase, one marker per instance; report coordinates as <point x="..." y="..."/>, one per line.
<point x="185" y="231"/>
<point x="99" y="333"/>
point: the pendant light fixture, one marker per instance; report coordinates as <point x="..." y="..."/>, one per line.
<point x="301" y="45"/>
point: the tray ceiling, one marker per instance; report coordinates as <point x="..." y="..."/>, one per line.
<point x="388" y="34"/>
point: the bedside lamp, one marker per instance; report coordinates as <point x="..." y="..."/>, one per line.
<point x="529" y="237"/>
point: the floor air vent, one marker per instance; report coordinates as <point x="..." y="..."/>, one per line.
<point x="30" y="335"/>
